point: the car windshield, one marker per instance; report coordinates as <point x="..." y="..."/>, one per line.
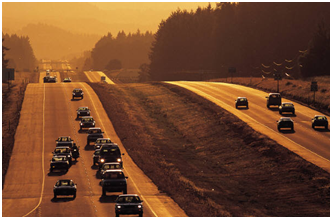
<point x="64" y="139"/>
<point x="58" y="159"/>
<point x="321" y="118"/>
<point x="65" y="183"/>
<point x="112" y="151"/>
<point x="87" y="119"/>
<point x="77" y="91"/>
<point x="288" y="105"/>
<point x="275" y="96"/>
<point x="83" y="108"/>
<point x="61" y="150"/>
<point x="285" y="119"/>
<point x="242" y="99"/>
<point x="114" y="175"/>
<point x="129" y="199"/>
<point x="95" y="131"/>
<point x="103" y="141"/>
<point x="111" y="166"/>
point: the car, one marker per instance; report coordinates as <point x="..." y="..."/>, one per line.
<point x="87" y="122"/>
<point x="46" y="78"/>
<point x="63" y="151"/>
<point x="287" y="107"/>
<point x="110" y="153"/>
<point x="93" y="134"/>
<point x="96" y="156"/>
<point x="320" y="121"/>
<point x="241" y="101"/>
<point x="100" y="141"/>
<point x="50" y="79"/>
<point x="129" y="204"/>
<point x="59" y="163"/>
<point x="114" y="181"/>
<point x="67" y="80"/>
<point x="64" y="187"/>
<point x="285" y="122"/>
<point x="108" y="166"/>
<point x="77" y="92"/>
<point x="65" y="141"/>
<point x="273" y="99"/>
<point x="82" y="111"/>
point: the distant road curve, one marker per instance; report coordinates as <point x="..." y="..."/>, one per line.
<point x="95" y="76"/>
<point x="312" y="145"/>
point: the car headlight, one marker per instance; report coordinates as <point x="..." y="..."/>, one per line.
<point x="118" y="207"/>
<point x="139" y="206"/>
<point x="69" y="156"/>
<point x="102" y="160"/>
<point x="81" y="124"/>
<point x="119" y="159"/>
<point x="73" y="93"/>
<point x="93" y="123"/>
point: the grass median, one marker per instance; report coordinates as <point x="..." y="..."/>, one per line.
<point x="210" y="162"/>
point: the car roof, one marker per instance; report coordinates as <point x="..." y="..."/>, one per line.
<point x="320" y="116"/>
<point x="110" y="163"/>
<point x="111" y="145"/>
<point x="64" y="137"/>
<point x="240" y="97"/>
<point x="87" y="117"/>
<point x="77" y="88"/>
<point x="286" y="118"/>
<point x="103" y="138"/>
<point x="274" y="94"/>
<point x="128" y="195"/>
<point x="287" y="103"/>
<point x="83" y="107"/>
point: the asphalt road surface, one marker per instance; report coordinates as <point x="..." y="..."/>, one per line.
<point x="313" y="145"/>
<point x="95" y="76"/>
<point x="48" y="112"/>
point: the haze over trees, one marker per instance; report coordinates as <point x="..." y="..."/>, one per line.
<point x="130" y="50"/>
<point x="19" y="54"/>
<point x="256" y="38"/>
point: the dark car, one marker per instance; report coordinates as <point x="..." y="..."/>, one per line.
<point x="108" y="166"/>
<point x="319" y="121"/>
<point x="287" y="107"/>
<point x="114" y="181"/>
<point x="110" y="153"/>
<point x="77" y="92"/>
<point x="50" y="79"/>
<point x="64" y="187"/>
<point x="63" y="151"/>
<point x="87" y="122"/>
<point x="59" y="163"/>
<point x="273" y="99"/>
<point x="285" y="122"/>
<point x="82" y="111"/>
<point x="96" y="156"/>
<point x="67" y="80"/>
<point x="93" y="134"/>
<point x="241" y="101"/>
<point x="129" y="204"/>
<point x="65" y="141"/>
<point x="100" y="141"/>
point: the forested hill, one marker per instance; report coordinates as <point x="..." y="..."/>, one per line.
<point x="249" y="36"/>
<point x="19" y="53"/>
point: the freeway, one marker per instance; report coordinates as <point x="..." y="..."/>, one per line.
<point x="48" y="112"/>
<point x="95" y="76"/>
<point x="313" y="145"/>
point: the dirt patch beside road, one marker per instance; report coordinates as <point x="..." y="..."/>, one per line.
<point x="210" y="162"/>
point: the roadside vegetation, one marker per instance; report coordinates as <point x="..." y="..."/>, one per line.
<point x="210" y="162"/>
<point x="298" y="90"/>
<point x="12" y="99"/>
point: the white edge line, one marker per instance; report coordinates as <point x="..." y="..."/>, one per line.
<point x="119" y="139"/>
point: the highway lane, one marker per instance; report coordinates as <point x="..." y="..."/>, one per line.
<point x="313" y="145"/>
<point x="95" y="76"/>
<point x="59" y="115"/>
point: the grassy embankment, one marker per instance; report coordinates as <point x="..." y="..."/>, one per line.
<point x="210" y="162"/>
<point x="12" y="99"/>
<point x="298" y="90"/>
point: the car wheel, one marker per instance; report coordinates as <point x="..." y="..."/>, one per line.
<point x="74" y="195"/>
<point x="326" y="127"/>
<point x="104" y="193"/>
<point x="77" y="116"/>
<point x="80" y="128"/>
<point x="236" y="106"/>
<point x="280" y="112"/>
<point x="247" y="106"/>
<point x="293" y="113"/>
<point x="279" y="129"/>
<point x="313" y="126"/>
<point x="51" y="170"/>
<point x="117" y="214"/>
<point x="55" y="196"/>
<point x="82" y="97"/>
<point x="292" y="128"/>
<point x="267" y="106"/>
<point x="140" y="215"/>
<point x="125" y="191"/>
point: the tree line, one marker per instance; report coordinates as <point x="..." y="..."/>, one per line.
<point x="17" y="53"/>
<point x="255" y="38"/>
<point x="123" y="51"/>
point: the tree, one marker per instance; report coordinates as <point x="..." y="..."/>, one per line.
<point x="144" y="74"/>
<point x="4" y="61"/>
<point x="113" y="65"/>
